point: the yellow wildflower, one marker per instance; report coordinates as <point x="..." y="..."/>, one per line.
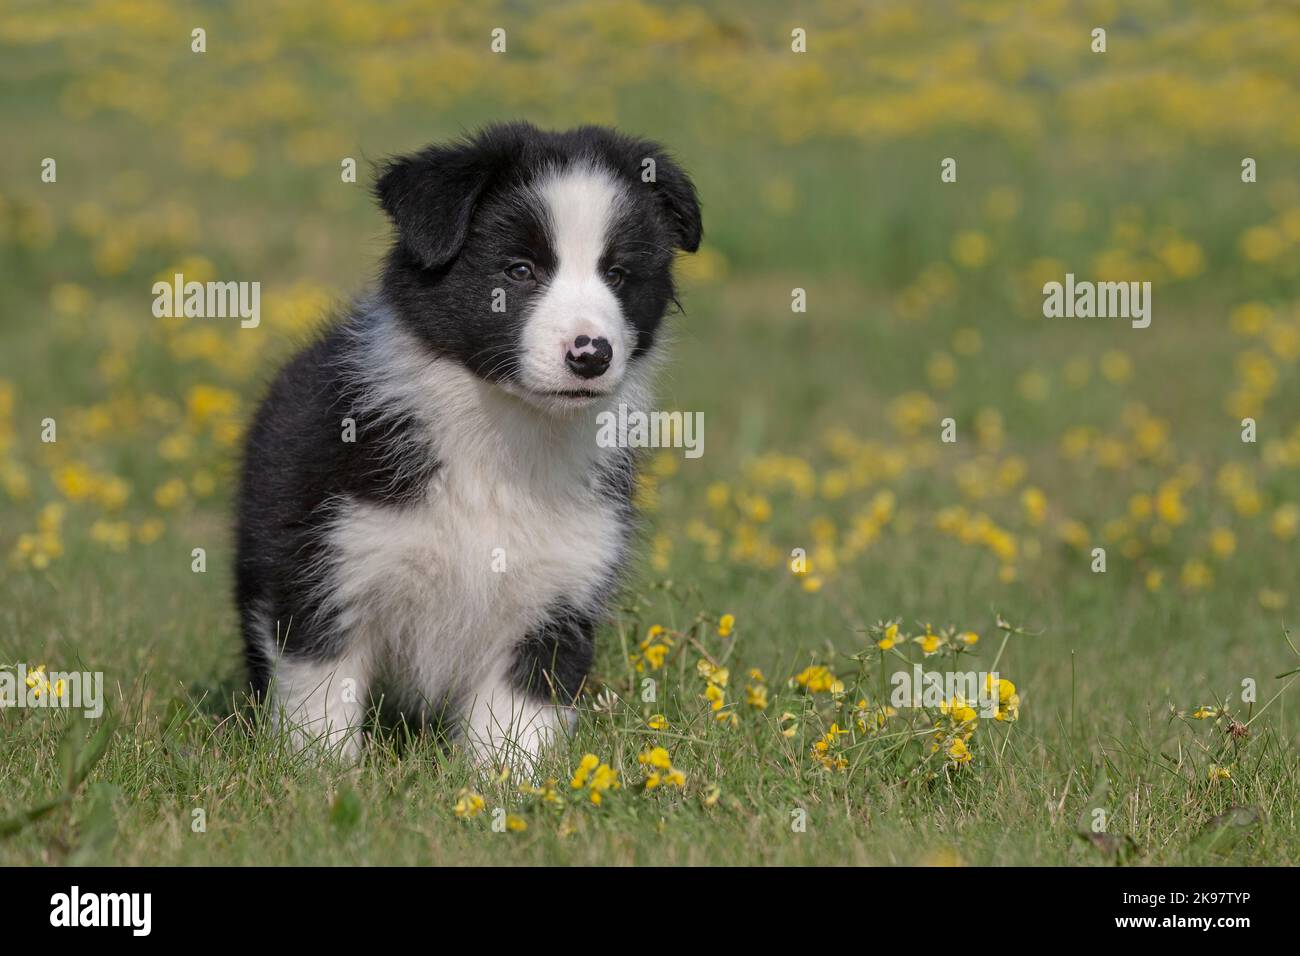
<point x="588" y="763"/>
<point x="817" y="679"/>
<point x="656" y="757"/>
<point x="889" y="638"/>
<point x="468" y="805"/>
<point x="712" y="673"/>
<point x="929" y="642"/>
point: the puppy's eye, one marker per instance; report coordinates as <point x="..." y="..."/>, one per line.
<point x="615" y="276"/>
<point x="520" y="271"/>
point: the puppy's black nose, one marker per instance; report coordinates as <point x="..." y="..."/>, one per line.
<point x="589" y="358"/>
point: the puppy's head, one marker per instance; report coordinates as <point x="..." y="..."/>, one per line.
<point x="541" y="261"/>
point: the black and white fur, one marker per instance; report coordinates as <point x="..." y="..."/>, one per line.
<point x="375" y="567"/>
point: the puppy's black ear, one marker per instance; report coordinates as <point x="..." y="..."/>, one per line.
<point x="431" y="195"/>
<point x="676" y="194"/>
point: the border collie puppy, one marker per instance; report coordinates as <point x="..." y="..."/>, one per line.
<point x="425" y="516"/>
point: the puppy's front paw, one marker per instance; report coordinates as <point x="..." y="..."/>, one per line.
<point x="516" y="737"/>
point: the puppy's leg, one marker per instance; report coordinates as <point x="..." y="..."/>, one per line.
<point x="321" y="702"/>
<point x="517" y="714"/>
<point x="507" y="726"/>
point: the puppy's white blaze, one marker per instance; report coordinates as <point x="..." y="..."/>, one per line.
<point x="581" y="207"/>
<point x="581" y="204"/>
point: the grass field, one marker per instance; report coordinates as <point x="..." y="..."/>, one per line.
<point x="1151" y="716"/>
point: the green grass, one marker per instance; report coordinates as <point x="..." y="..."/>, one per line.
<point x="176" y="749"/>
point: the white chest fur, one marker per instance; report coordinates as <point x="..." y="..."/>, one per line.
<point x="441" y="592"/>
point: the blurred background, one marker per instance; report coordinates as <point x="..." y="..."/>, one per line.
<point x="817" y="170"/>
